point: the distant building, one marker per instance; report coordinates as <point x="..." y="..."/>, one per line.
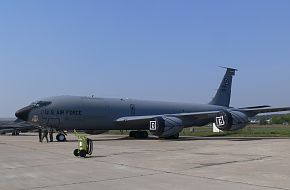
<point x="254" y="121"/>
<point x="269" y="121"/>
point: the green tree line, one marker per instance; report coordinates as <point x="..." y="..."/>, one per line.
<point x="280" y="119"/>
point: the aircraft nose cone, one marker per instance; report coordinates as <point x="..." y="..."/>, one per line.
<point x="23" y="113"/>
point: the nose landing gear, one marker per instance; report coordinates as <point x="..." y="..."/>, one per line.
<point x="60" y="137"/>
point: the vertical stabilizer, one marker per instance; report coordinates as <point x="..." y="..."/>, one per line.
<point x="223" y="95"/>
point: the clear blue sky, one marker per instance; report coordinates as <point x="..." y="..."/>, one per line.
<point x="146" y="49"/>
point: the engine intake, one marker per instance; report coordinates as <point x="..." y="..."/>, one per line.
<point x="231" y="120"/>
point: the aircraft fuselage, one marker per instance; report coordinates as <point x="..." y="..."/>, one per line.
<point x="86" y="113"/>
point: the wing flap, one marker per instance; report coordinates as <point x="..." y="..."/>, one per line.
<point x="135" y="120"/>
<point x="196" y="115"/>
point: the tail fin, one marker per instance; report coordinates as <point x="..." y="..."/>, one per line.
<point x="223" y="95"/>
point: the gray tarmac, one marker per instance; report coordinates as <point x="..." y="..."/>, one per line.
<point x="122" y="163"/>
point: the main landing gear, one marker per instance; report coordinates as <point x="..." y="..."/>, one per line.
<point x="175" y="136"/>
<point x="139" y="134"/>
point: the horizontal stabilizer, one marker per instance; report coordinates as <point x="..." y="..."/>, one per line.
<point x="255" y="111"/>
<point x="256" y="107"/>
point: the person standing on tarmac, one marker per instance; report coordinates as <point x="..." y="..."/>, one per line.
<point x="45" y="134"/>
<point x="40" y="134"/>
<point x="51" y="134"/>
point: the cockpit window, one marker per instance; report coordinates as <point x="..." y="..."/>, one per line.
<point x="40" y="104"/>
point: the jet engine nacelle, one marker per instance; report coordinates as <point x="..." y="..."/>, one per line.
<point x="166" y="126"/>
<point x="231" y="120"/>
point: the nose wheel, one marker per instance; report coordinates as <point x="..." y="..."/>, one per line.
<point x="60" y="137"/>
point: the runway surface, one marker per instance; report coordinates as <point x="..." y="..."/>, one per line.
<point x="122" y="163"/>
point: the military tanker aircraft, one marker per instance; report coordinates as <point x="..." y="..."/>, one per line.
<point x="162" y="119"/>
<point x="15" y="127"/>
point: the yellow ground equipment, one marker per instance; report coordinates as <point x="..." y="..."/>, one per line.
<point x="85" y="145"/>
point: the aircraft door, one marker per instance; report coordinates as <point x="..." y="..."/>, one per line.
<point x="53" y="123"/>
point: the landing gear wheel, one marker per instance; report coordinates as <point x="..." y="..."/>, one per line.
<point x="76" y="152"/>
<point x="176" y="136"/>
<point x="60" y="137"/>
<point x="144" y="134"/>
<point x="83" y="153"/>
<point x="132" y="133"/>
<point x="139" y="134"/>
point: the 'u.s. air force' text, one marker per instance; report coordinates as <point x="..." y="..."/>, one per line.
<point x="62" y="112"/>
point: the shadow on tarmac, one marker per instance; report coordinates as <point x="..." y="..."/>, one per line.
<point x="185" y="138"/>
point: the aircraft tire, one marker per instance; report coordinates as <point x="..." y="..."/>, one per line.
<point x="76" y="152"/>
<point x="139" y="134"/>
<point x="144" y="134"/>
<point x="60" y="137"/>
<point x="175" y="136"/>
<point x="132" y="134"/>
<point x="83" y="153"/>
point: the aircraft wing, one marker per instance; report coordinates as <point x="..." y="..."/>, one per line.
<point x="255" y="111"/>
<point x="145" y="120"/>
<point x="139" y="120"/>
